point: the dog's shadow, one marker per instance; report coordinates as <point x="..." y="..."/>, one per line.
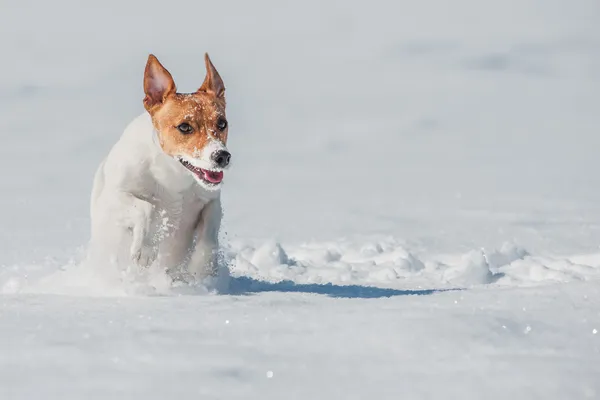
<point x="247" y="286"/>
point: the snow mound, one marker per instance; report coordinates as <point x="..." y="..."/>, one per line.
<point x="330" y="262"/>
<point x="388" y="263"/>
<point x="385" y="263"/>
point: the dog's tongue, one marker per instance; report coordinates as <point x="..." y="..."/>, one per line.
<point x="213" y="176"/>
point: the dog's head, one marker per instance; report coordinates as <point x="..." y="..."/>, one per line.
<point x="192" y="127"/>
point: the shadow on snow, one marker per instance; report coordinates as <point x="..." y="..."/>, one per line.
<point x="244" y="286"/>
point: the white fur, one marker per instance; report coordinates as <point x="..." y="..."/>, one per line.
<point x="146" y="207"/>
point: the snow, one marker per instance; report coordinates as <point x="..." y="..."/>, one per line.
<point x="413" y="209"/>
<point x="526" y="343"/>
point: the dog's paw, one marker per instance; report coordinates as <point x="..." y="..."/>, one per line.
<point x="144" y="256"/>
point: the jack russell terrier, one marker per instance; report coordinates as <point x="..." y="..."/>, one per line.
<point x="156" y="196"/>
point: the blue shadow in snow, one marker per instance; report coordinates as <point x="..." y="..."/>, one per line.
<point x="244" y="286"/>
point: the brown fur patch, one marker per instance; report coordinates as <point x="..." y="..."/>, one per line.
<point x="201" y="110"/>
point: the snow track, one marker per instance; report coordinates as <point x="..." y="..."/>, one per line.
<point x="376" y="264"/>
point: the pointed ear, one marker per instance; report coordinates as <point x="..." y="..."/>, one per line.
<point x="158" y="83"/>
<point x="212" y="82"/>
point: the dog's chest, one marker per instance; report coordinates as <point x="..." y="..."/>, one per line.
<point x="177" y="200"/>
<point x="173" y="226"/>
<point x="177" y="214"/>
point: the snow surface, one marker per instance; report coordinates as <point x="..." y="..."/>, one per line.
<point x="413" y="209"/>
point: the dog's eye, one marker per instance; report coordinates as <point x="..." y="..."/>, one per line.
<point x="222" y="124"/>
<point x="185" y="128"/>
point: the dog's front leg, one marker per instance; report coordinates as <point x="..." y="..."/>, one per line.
<point x="203" y="261"/>
<point x="138" y="216"/>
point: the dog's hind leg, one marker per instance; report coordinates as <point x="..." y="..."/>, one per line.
<point x="97" y="187"/>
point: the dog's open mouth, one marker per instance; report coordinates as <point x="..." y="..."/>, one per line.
<point x="210" y="177"/>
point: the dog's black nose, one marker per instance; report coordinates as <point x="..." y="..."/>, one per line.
<point x="221" y="158"/>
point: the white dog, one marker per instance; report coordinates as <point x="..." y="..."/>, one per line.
<point x="156" y="196"/>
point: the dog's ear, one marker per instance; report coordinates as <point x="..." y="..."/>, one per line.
<point x="158" y="83"/>
<point x="212" y="82"/>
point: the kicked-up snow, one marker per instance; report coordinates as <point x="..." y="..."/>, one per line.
<point x="413" y="209"/>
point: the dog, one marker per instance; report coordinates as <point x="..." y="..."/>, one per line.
<point x="156" y="195"/>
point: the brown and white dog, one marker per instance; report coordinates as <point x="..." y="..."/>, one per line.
<point x="156" y="196"/>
